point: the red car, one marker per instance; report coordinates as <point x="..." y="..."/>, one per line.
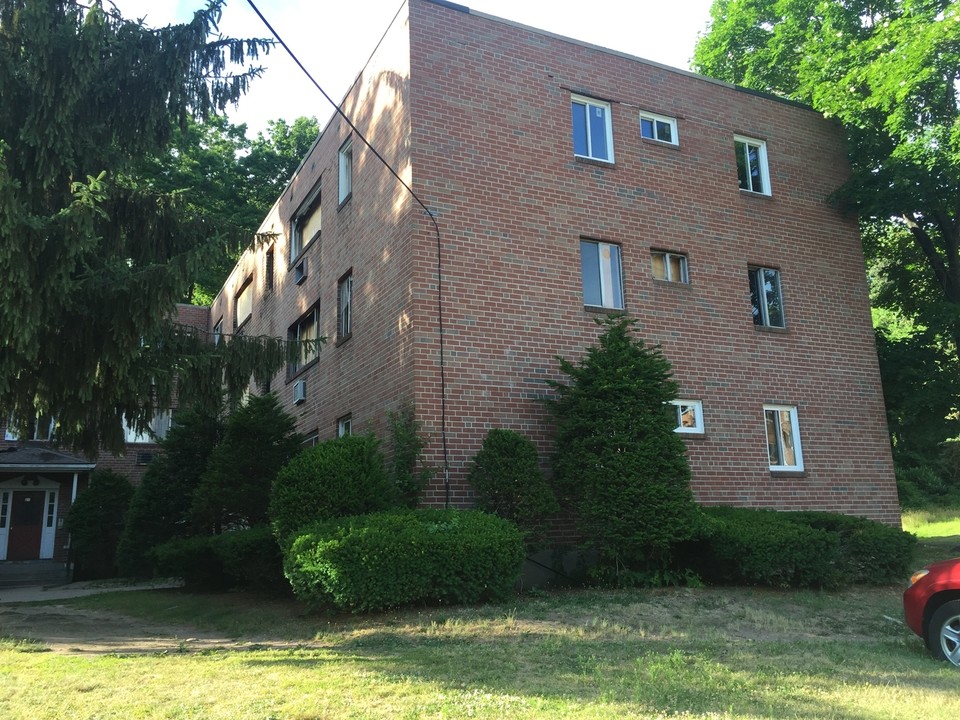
<point x="931" y="607"/>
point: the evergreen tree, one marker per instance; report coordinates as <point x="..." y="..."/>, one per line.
<point x="617" y="458"/>
<point x="161" y="504"/>
<point x="93" y="257"/>
<point x="258" y="440"/>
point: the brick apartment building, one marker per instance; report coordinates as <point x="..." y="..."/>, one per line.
<point x="568" y="181"/>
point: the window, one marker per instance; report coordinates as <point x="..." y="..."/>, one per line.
<point x="306" y="328"/>
<point x="592" y="129"/>
<point x="669" y="266"/>
<point x="765" y="297"/>
<point x="51" y="508"/>
<point x="40" y="429"/>
<point x="4" y="508"/>
<point x="689" y="416"/>
<point x="752" y="165"/>
<point x="346" y="171"/>
<point x="244" y="304"/>
<point x="268" y="270"/>
<point x="344" y="426"/>
<point x="158" y="429"/>
<point x="311" y="439"/>
<point x="306" y="223"/>
<point x="658" y="127"/>
<point x="600" y="265"/>
<point x="783" y="437"/>
<point x="344" y="307"/>
<point x="218" y="331"/>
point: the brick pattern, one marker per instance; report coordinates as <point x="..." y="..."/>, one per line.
<point x="475" y="112"/>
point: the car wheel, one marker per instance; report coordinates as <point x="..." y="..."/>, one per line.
<point x="943" y="634"/>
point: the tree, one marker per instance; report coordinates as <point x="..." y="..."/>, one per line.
<point x="234" y="491"/>
<point x="275" y="156"/>
<point x="161" y="504"/>
<point x="617" y="457"/>
<point x="230" y="180"/>
<point x="95" y="522"/>
<point x="889" y="71"/>
<point x="93" y="257"/>
<point x="507" y="481"/>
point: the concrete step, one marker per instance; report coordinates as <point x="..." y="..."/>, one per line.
<point x="32" y="572"/>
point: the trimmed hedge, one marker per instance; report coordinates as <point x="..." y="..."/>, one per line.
<point x="798" y="549"/>
<point x="335" y="478"/>
<point x="242" y="559"/>
<point x="385" y="560"/>
<point x="508" y="482"/>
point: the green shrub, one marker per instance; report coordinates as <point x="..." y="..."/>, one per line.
<point x="332" y="479"/>
<point x="406" y="455"/>
<point x="193" y="560"/>
<point x="95" y="523"/>
<point x="160" y="509"/>
<point x="390" y="559"/>
<point x="258" y="439"/>
<point x="797" y="549"/>
<point x="908" y="487"/>
<point x="618" y="460"/>
<point x="242" y="559"/>
<point x="508" y="482"/>
<point x="871" y="553"/>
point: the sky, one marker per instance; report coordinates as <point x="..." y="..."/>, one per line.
<point x="334" y="39"/>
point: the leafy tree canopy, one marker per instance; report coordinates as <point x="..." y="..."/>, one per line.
<point x="230" y="180"/>
<point x="93" y="255"/>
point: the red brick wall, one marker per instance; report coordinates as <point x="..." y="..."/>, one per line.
<point x="370" y="234"/>
<point x="477" y="112"/>
<point x="492" y="152"/>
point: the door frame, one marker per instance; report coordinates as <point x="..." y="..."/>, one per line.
<point x="51" y="502"/>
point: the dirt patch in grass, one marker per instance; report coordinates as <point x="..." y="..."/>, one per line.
<point x="174" y="622"/>
<point x="70" y="630"/>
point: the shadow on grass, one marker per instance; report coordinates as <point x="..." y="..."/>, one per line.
<point x="618" y="666"/>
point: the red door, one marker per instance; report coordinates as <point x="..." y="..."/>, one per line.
<point x="26" y="525"/>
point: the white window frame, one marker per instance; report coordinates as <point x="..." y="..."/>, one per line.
<point x="302" y="219"/>
<point x="345" y="306"/>
<point x="682" y="405"/>
<point x="345" y="171"/>
<point x="774" y="412"/>
<point x="345" y="426"/>
<point x="761" y="309"/>
<point x="653" y="119"/>
<point x="10" y="432"/>
<point x="218" y="331"/>
<point x="306" y="328"/>
<point x="608" y="274"/>
<point x="742" y="146"/>
<point x="588" y="103"/>
<point x="667" y="267"/>
<point x="243" y="304"/>
<point x="159" y="427"/>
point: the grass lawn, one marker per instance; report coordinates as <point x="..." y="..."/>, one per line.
<point x="692" y="653"/>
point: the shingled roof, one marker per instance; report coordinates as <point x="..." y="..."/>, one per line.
<point x="41" y="457"/>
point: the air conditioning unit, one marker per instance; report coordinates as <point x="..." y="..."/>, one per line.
<point x="299" y="392"/>
<point x="300" y="271"/>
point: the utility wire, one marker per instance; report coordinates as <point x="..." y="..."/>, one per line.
<point x="436" y="227"/>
